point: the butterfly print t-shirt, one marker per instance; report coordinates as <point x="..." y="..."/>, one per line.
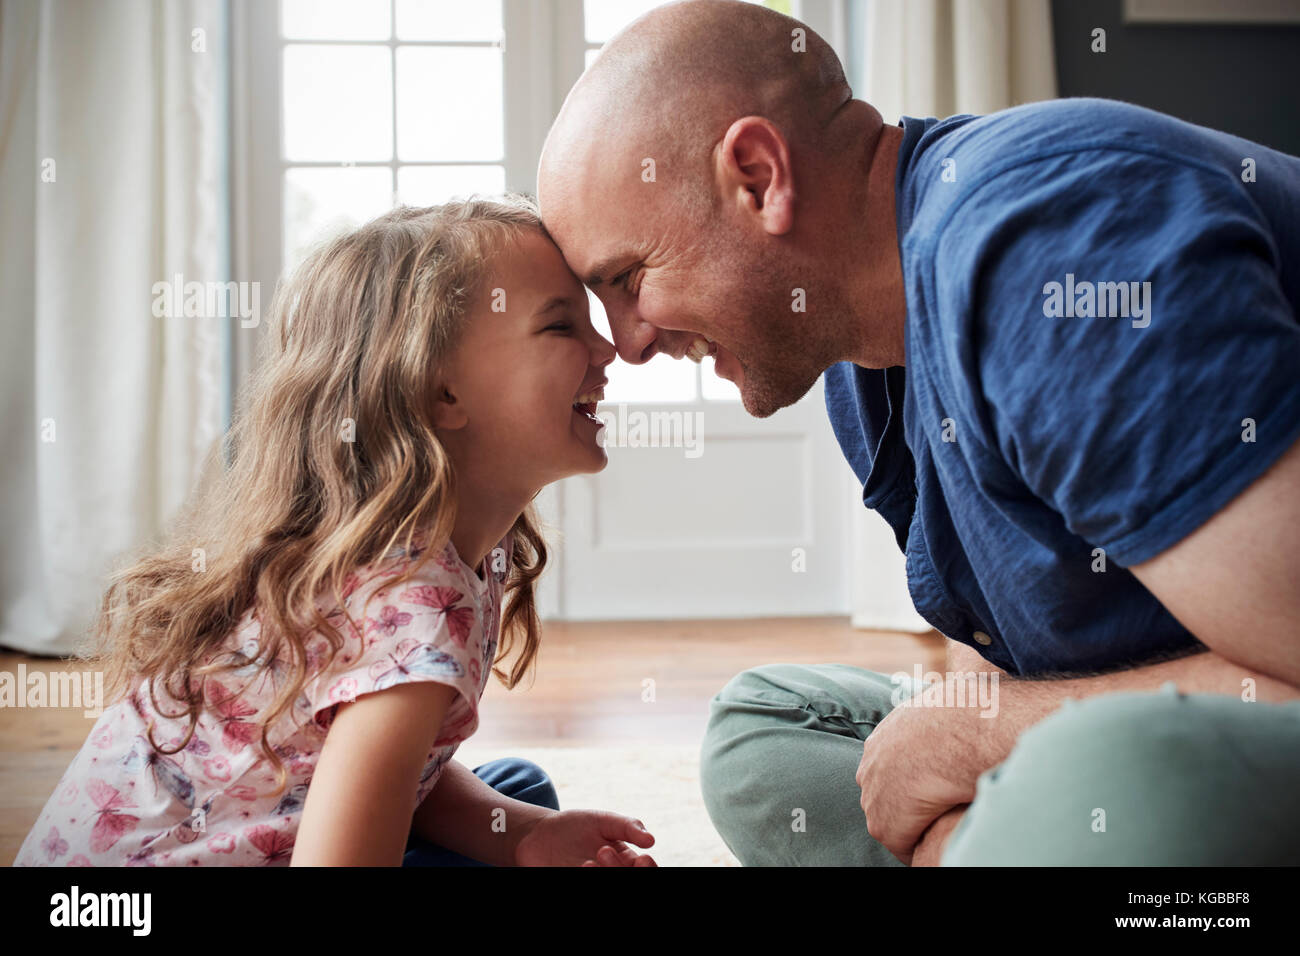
<point x="120" y="803"/>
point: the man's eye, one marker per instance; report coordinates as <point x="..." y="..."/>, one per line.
<point x="618" y="280"/>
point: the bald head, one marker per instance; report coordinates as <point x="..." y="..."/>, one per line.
<point x="668" y="86"/>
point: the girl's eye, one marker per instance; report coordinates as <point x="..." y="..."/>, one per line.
<point x="560" y="327"/>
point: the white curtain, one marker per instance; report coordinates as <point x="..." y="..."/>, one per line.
<point x="113" y="138"/>
<point x="939" y="58"/>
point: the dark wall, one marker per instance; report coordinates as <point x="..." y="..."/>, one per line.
<point x="1244" y="80"/>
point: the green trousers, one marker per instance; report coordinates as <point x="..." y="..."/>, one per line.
<point x="1122" y="779"/>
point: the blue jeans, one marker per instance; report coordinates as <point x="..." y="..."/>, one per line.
<point x="511" y="777"/>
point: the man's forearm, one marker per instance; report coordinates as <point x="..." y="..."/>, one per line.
<point x="962" y="657"/>
<point x="1023" y="702"/>
<point x="458" y="814"/>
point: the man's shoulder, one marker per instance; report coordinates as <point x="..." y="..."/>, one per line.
<point x="1063" y="167"/>
<point x="1059" y="147"/>
<point x="1056" y="126"/>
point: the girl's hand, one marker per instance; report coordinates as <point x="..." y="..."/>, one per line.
<point x="584" y="838"/>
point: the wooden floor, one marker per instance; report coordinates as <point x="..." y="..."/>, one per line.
<point x="588" y="689"/>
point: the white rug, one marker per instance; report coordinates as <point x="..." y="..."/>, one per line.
<point x="658" y="785"/>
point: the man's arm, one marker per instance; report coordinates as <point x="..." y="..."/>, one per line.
<point x="1022" y="703"/>
<point x="1025" y="702"/>
<point x="963" y="658"/>
<point x="961" y="744"/>
<point x="1231" y="583"/>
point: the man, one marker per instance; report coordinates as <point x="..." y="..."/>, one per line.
<point x="1061" y="351"/>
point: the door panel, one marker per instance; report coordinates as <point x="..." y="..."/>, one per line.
<point x="750" y="522"/>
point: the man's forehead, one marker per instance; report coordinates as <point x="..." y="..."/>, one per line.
<point x="593" y="236"/>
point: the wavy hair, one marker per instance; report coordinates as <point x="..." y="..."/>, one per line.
<point x="358" y="336"/>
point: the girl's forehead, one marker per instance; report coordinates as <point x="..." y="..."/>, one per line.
<point x="532" y="271"/>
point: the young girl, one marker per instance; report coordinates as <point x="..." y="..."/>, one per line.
<point x="296" y="667"/>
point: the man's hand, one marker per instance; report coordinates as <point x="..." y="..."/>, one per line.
<point x="921" y="761"/>
<point x="898" y="800"/>
<point x="918" y="763"/>
<point x="929" y="851"/>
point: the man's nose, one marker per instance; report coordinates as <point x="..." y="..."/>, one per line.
<point x="635" y="339"/>
<point x="602" y="351"/>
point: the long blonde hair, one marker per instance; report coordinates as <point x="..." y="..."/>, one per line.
<point x="359" y="334"/>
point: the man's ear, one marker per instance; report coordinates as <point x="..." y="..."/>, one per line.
<point x="448" y="413"/>
<point x="752" y="166"/>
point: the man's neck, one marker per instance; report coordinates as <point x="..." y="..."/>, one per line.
<point x="877" y="287"/>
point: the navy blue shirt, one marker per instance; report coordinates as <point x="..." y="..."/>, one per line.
<point x="1102" y="351"/>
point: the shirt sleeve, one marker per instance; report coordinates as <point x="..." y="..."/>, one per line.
<point x="424" y="629"/>
<point x="1137" y="426"/>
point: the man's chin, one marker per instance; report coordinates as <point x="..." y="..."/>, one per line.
<point x="764" y="402"/>
<point x="757" y="407"/>
<point x="761" y="395"/>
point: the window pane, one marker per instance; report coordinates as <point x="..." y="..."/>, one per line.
<point x="714" y="387"/>
<point x="449" y="103"/>
<point x="433" y="185"/>
<point x="321" y="203"/>
<point x="337" y="103"/>
<point x="335" y="19"/>
<point x="448" y="20"/>
<point x="661" y="379"/>
<point x="604" y="18"/>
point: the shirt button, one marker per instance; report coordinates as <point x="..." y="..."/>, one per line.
<point x="982" y="638"/>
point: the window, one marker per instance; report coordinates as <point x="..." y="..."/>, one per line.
<point x="385" y="102"/>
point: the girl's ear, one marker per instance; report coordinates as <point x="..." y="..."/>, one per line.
<point x="448" y="413"/>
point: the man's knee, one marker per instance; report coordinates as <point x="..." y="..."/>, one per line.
<point x="769" y="683"/>
<point x="796" y="692"/>
<point x="1136" y="779"/>
<point x="751" y="703"/>
<point x="781" y="747"/>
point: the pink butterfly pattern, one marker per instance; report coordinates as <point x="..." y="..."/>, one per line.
<point x="111" y="825"/>
<point x="54" y="845"/>
<point x="389" y="620"/>
<point x="236" y="733"/>
<point x="459" y="620"/>
<point x="274" y="845"/>
<point x="215" y="801"/>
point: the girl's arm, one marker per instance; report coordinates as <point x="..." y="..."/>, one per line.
<point x="363" y="794"/>
<point x="459" y="814"/>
